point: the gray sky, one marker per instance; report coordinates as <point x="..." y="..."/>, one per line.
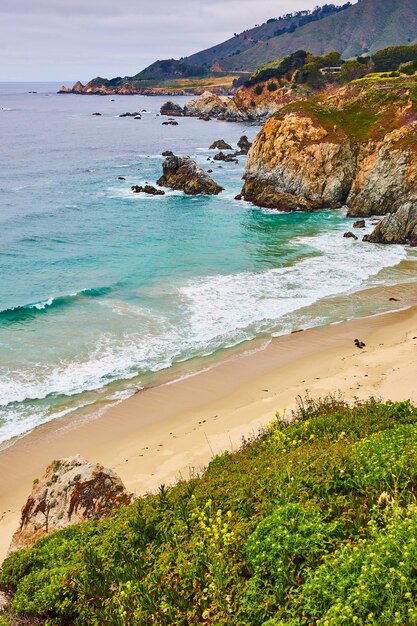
<point x="65" y="40"/>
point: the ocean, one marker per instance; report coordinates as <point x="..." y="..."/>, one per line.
<point x="103" y="292"/>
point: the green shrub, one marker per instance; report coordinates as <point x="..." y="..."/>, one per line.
<point x="259" y="89"/>
<point x="310" y="522"/>
<point x="272" y="86"/>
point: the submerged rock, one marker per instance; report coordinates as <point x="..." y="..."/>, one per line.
<point x="170" y="123"/>
<point x="398" y="227"/>
<point x="172" y="109"/>
<point x="220" y="144"/>
<point x="70" y="491"/>
<point x="182" y="173"/>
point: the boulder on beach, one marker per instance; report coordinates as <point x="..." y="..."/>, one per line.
<point x="182" y="173"/>
<point x="71" y="490"/>
<point x="172" y="109"/>
<point x="398" y="227"/>
<point x="220" y="144"/>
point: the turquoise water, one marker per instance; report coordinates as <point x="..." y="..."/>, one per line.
<point x="100" y="287"/>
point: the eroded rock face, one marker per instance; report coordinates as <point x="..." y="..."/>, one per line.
<point x="208" y="104"/>
<point x="172" y="109"/>
<point x="296" y="164"/>
<point x="398" y="227"/>
<point x="386" y="175"/>
<point x="182" y="173"/>
<point x="70" y="491"/>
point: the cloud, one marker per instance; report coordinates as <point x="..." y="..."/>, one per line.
<point x="69" y="39"/>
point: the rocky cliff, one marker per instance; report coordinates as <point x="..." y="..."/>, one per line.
<point x="356" y="146"/>
<point x="71" y="490"/>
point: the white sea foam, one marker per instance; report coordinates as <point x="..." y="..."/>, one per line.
<point x="213" y="312"/>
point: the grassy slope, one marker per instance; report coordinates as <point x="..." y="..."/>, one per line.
<point x="374" y="24"/>
<point x="365" y="109"/>
<point x="312" y="523"/>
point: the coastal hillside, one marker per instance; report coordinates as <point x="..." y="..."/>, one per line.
<point x="309" y="523"/>
<point x="363" y="28"/>
<point x="351" y="29"/>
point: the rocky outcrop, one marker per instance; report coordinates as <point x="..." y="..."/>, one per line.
<point x="220" y="144"/>
<point x="386" y="174"/>
<point x="398" y="227"/>
<point x="148" y="189"/>
<point x="103" y="87"/>
<point x="356" y="147"/>
<point x="208" y="104"/>
<point x="172" y="109"/>
<point x="244" y="144"/>
<point x="182" y="173"/>
<point x="71" y="490"/>
<point x="227" y="158"/>
<point x="295" y="164"/>
<point x="135" y="114"/>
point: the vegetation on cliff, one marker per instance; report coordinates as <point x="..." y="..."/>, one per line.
<point x="312" y="522"/>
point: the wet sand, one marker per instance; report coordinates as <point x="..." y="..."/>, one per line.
<point x="172" y="431"/>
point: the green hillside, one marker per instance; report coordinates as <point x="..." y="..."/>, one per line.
<point x="309" y="523"/>
<point x="366" y="27"/>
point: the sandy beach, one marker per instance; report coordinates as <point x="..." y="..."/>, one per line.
<point x="172" y="430"/>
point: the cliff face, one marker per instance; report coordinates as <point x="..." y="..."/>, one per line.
<point x="355" y="147"/>
<point x="295" y="163"/>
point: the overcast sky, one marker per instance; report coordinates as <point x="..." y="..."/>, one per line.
<point x="65" y="40"/>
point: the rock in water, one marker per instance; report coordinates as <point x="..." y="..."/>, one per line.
<point x="350" y="235"/>
<point x="399" y="227"/>
<point x="184" y="174"/>
<point x="172" y="109"/>
<point x="220" y="144"/>
<point x="70" y="491"/>
<point x="208" y="104"/>
<point x="228" y="158"/>
<point x="244" y="144"/>
<point x="149" y="189"/>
